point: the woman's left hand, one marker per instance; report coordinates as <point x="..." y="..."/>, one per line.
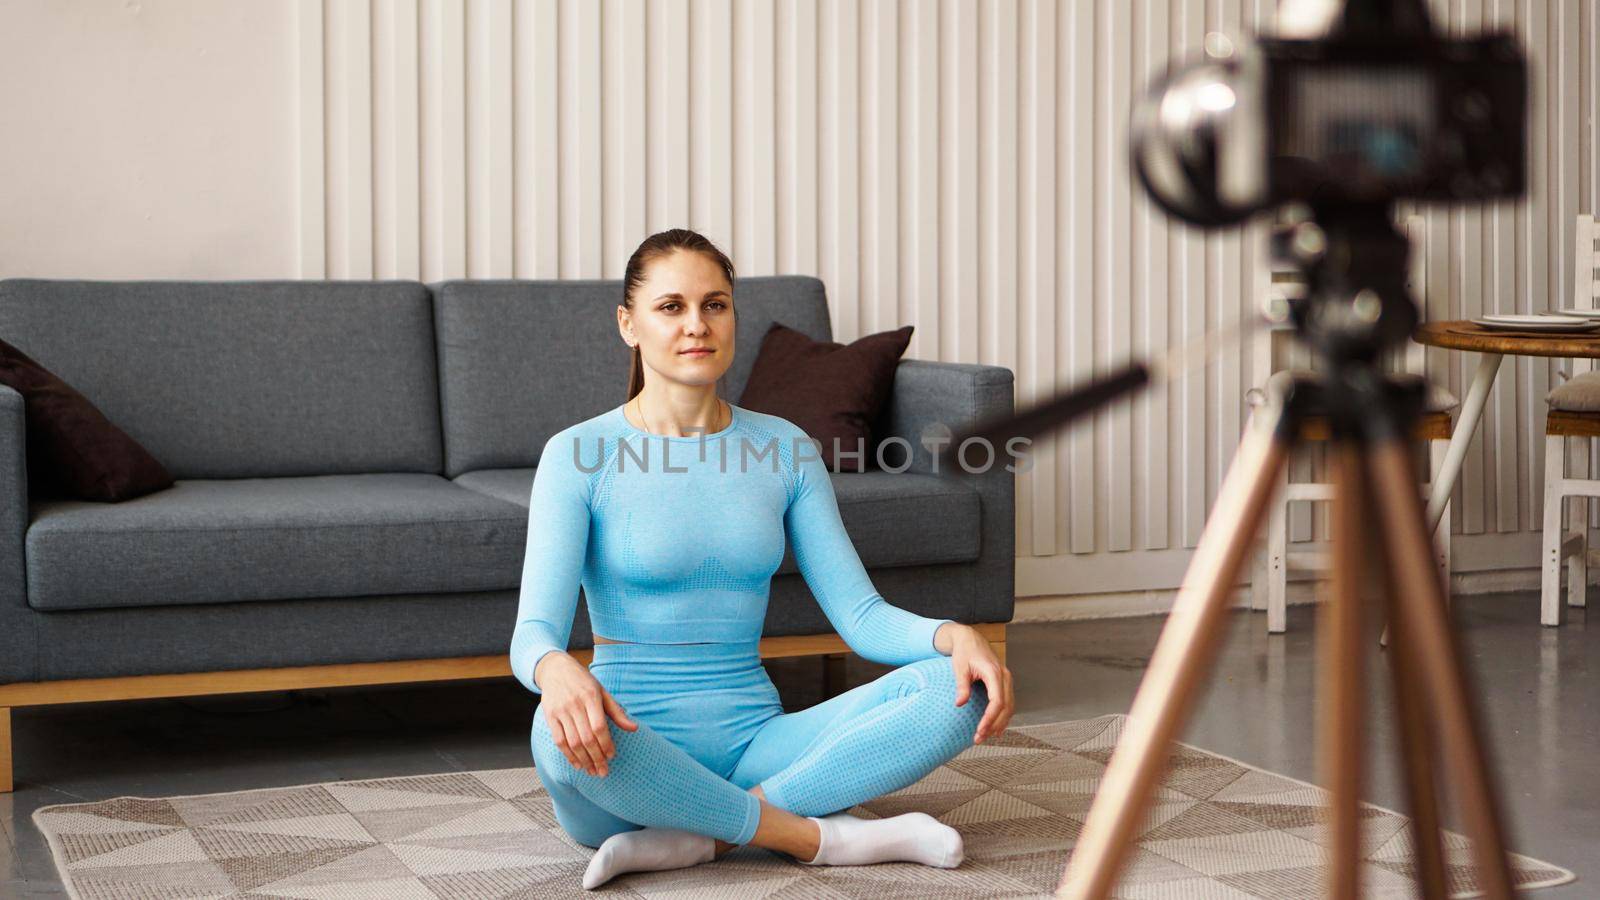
<point x="973" y="660"/>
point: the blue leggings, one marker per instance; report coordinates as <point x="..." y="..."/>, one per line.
<point x="711" y="727"/>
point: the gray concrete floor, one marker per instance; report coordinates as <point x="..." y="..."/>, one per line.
<point x="1541" y="711"/>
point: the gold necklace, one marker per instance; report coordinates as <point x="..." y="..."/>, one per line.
<point x="638" y="403"/>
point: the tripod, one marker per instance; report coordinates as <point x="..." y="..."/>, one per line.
<point x="1378" y="517"/>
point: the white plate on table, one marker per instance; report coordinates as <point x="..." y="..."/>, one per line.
<point x="1580" y="313"/>
<point x="1542" y="322"/>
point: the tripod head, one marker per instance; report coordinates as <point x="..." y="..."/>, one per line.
<point x="1353" y="261"/>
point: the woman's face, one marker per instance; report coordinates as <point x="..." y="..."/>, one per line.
<point x="685" y="302"/>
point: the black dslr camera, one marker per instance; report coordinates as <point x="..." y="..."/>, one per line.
<point x="1381" y="108"/>
<point x="1333" y="129"/>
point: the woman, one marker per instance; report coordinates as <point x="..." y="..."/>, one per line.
<point x="672" y="511"/>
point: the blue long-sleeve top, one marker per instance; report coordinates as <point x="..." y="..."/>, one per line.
<point x="675" y="541"/>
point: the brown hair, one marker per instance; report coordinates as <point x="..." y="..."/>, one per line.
<point x="657" y="246"/>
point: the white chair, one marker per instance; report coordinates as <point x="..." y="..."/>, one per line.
<point x="1270" y="585"/>
<point x="1574" y="413"/>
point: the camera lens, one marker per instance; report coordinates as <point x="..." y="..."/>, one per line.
<point x="1450" y="147"/>
<point x="1472" y="107"/>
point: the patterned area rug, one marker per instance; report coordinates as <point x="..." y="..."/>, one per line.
<point x="1218" y="829"/>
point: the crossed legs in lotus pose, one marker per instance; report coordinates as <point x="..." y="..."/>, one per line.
<point x="793" y="769"/>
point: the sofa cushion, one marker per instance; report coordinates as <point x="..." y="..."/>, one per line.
<point x="73" y="450"/>
<point x="834" y="392"/>
<point x="521" y="360"/>
<point x="111" y="643"/>
<point x="511" y="485"/>
<point x="274" y="538"/>
<point x="893" y="519"/>
<point x="245" y="379"/>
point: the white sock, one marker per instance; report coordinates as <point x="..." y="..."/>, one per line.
<point x="912" y="837"/>
<point x="646" y="850"/>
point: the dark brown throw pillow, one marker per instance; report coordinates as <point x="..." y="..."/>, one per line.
<point x="73" y="449"/>
<point x="831" y="391"/>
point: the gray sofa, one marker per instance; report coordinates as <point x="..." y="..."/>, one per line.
<point x="354" y="461"/>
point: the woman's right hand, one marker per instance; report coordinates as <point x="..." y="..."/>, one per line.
<point x="575" y="708"/>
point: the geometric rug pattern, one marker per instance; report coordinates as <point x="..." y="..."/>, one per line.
<point x="1217" y="829"/>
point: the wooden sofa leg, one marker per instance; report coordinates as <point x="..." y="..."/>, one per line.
<point x="833" y="677"/>
<point x="6" y="785"/>
<point x="999" y="646"/>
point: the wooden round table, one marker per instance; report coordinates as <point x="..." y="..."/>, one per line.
<point x="1464" y="335"/>
<point x="1494" y="346"/>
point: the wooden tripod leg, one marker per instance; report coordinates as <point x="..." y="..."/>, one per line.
<point x="1421" y="621"/>
<point x="1416" y="744"/>
<point x="1173" y="677"/>
<point x="1339" y="665"/>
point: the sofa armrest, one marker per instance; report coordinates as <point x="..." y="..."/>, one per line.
<point x="13" y="497"/>
<point x="939" y="398"/>
<point x="935" y="399"/>
<point x="19" y="652"/>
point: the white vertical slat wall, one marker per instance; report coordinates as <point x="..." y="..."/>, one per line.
<point x="956" y="165"/>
